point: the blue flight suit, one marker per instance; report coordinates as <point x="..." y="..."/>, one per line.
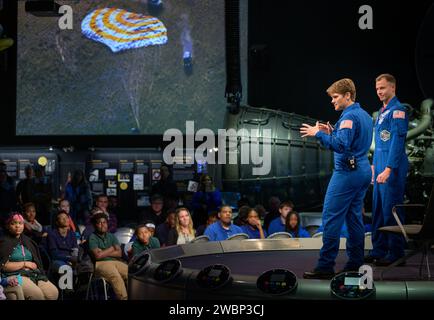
<point x="343" y="201"/>
<point x="390" y="135"/>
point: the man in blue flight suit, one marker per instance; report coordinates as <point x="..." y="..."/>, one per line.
<point x="350" y="140"/>
<point x="390" y="171"/>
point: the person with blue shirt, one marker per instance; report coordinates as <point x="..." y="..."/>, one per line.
<point x="350" y="140"/>
<point x="293" y="226"/>
<point x="278" y="224"/>
<point x="222" y="228"/>
<point x="253" y="226"/>
<point x="390" y="168"/>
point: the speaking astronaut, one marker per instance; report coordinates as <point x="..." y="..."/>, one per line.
<point x="350" y="140"/>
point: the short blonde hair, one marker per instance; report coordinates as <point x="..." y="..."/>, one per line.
<point x="388" y="77"/>
<point x="342" y="87"/>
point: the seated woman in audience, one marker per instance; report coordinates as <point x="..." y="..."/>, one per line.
<point x="62" y="243"/>
<point x="144" y="240"/>
<point x="253" y="226"/>
<point x="292" y="226"/>
<point x="183" y="232"/>
<point x="19" y="255"/>
<point x="32" y="228"/>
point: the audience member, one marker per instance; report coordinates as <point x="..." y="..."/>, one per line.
<point x="165" y="187"/>
<point x="19" y="255"/>
<point x="65" y="207"/>
<point x="208" y="198"/>
<point x="162" y="231"/>
<point x="32" y="228"/>
<point x="77" y="192"/>
<point x="183" y="232"/>
<point x="102" y="202"/>
<point x="223" y="228"/>
<point x="26" y="187"/>
<point x="42" y="195"/>
<point x="278" y="224"/>
<point x="144" y="240"/>
<point x="212" y="217"/>
<point x="155" y="212"/>
<point x="273" y="211"/>
<point x="106" y="252"/>
<point x="7" y="194"/>
<point x="62" y="243"/>
<point x="253" y="226"/>
<point x="293" y="226"/>
<point x="241" y="218"/>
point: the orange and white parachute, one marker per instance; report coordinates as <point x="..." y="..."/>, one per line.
<point x="123" y="30"/>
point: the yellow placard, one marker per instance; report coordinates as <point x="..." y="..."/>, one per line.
<point x="124" y="186"/>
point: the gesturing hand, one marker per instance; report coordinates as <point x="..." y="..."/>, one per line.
<point x="309" y="131"/>
<point x="326" y="128"/>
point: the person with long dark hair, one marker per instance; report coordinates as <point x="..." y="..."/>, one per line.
<point x="293" y="226"/>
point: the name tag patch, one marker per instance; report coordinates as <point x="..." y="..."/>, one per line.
<point x="385" y="135"/>
<point x="382" y="116"/>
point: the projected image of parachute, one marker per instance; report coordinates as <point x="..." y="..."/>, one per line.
<point x="122" y="30"/>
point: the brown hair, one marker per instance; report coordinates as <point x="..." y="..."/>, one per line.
<point x="342" y="87"/>
<point x="287" y="203"/>
<point x="388" y="77"/>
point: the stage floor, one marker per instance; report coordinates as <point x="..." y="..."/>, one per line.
<point x="298" y="261"/>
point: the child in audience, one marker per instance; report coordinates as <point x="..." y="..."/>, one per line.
<point x="144" y="240"/>
<point x="253" y="226"/>
<point x="293" y="226"/>
<point x="32" y="228"/>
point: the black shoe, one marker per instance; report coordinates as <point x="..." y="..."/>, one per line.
<point x="370" y="259"/>
<point x="317" y="274"/>
<point x="385" y="262"/>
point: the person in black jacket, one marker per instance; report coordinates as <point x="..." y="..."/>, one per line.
<point x="183" y="232"/>
<point x="19" y="255"/>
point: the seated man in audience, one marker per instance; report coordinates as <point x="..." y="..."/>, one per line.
<point x="106" y="252"/>
<point x="212" y="217"/>
<point x="163" y="229"/>
<point x="89" y="229"/>
<point x="32" y="228"/>
<point x="223" y="228"/>
<point x="155" y="212"/>
<point x="278" y="224"/>
<point x="293" y="226"/>
<point x="144" y="240"/>
<point x="102" y="202"/>
<point x="253" y="226"/>
<point x="62" y="243"/>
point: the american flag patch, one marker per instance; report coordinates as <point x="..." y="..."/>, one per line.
<point x="346" y="124"/>
<point x="398" y="114"/>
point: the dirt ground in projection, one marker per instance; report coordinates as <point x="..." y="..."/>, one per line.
<point x="70" y="85"/>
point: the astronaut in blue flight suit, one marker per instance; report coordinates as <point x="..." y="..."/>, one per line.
<point x="390" y="171"/>
<point x="350" y="140"/>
